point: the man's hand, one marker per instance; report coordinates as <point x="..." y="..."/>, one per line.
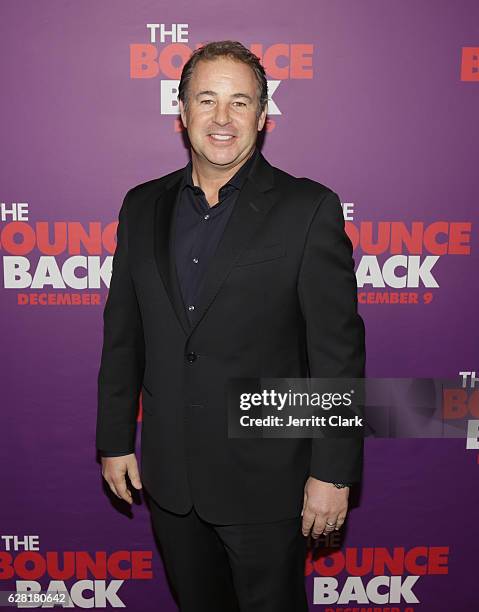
<point x="324" y="507"/>
<point x="113" y="470"/>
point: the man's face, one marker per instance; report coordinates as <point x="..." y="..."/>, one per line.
<point x="222" y="101"/>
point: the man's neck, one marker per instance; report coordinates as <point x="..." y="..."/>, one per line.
<point x="211" y="178"/>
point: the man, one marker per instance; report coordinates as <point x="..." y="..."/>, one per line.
<point x="227" y="268"/>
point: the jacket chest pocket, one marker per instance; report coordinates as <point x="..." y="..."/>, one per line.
<point x="261" y="254"/>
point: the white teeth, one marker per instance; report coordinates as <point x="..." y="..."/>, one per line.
<point x="221" y="136"/>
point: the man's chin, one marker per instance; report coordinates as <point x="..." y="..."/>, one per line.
<point x="221" y="158"/>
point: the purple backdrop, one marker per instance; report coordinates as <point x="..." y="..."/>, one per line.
<point x="382" y="93"/>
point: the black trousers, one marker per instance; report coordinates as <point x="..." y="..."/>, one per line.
<point x="232" y="568"/>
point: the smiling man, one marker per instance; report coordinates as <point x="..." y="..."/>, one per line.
<point x="227" y="268"/>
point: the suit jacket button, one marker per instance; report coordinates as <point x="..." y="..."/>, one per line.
<point x="191" y="357"/>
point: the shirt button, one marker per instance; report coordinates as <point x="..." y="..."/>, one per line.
<point x="195" y="259"/>
<point x="191" y="357"/>
<point x="191" y="307"/>
<point x="206" y="217"/>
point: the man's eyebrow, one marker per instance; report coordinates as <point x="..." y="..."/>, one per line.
<point x="242" y="95"/>
<point x="208" y="92"/>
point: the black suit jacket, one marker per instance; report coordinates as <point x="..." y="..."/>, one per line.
<point x="279" y="300"/>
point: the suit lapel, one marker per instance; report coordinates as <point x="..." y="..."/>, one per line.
<point x="254" y="201"/>
<point x="164" y="232"/>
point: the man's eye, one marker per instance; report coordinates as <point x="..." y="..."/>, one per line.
<point x="203" y="101"/>
<point x="241" y="103"/>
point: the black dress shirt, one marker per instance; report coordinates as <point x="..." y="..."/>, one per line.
<point x="199" y="228"/>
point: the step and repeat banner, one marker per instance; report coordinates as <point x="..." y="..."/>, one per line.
<point x="378" y="99"/>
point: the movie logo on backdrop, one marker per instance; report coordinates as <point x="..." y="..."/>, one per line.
<point x="168" y="49"/>
<point x="462" y="403"/>
<point x="470" y="64"/>
<point x="353" y="579"/>
<point x="68" y="578"/>
<point x="55" y="263"/>
<point x="397" y="261"/>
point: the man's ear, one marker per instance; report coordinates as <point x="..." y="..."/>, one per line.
<point x="182" y="112"/>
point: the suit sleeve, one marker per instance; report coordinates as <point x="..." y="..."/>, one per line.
<point x="123" y="354"/>
<point x="334" y="330"/>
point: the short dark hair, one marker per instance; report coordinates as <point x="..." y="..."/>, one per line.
<point x="231" y="49"/>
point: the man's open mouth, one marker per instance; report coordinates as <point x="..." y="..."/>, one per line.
<point x="219" y="137"/>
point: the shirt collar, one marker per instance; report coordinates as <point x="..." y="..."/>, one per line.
<point x="236" y="180"/>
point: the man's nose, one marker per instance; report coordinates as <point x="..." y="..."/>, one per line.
<point x="222" y="114"/>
